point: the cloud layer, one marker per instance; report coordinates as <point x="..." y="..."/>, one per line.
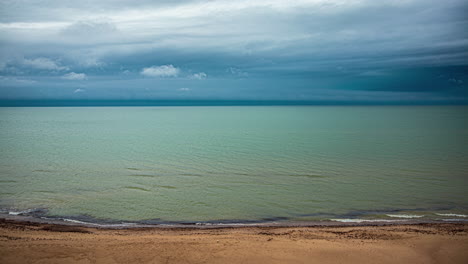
<point x="74" y="76"/>
<point x="43" y="64"/>
<point x="161" y="71"/>
<point x="292" y="50"/>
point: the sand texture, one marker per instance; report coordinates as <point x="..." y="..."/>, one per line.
<point x="423" y="243"/>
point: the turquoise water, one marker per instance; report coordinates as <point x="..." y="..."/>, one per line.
<point x="235" y="163"/>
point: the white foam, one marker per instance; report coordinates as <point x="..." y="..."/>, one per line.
<point x="15" y="213"/>
<point x="94" y="224"/>
<point x="404" y="216"/>
<point x="455" y="220"/>
<point x="231" y="224"/>
<point x="456" y="215"/>
<point x="20" y="212"/>
<point x="78" y="222"/>
<point x="241" y="224"/>
<point x="364" y="220"/>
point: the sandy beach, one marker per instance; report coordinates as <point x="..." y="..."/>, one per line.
<point x="22" y="242"/>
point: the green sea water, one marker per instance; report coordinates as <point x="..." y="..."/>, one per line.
<point x="228" y="163"/>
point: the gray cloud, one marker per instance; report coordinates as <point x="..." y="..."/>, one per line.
<point x="161" y="71"/>
<point x="89" y="32"/>
<point x="305" y="44"/>
<point x="199" y="76"/>
<point x="79" y="90"/>
<point x="44" y="64"/>
<point x="74" y="76"/>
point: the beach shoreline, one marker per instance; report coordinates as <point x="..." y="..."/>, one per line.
<point x="31" y="242"/>
<point x="272" y="222"/>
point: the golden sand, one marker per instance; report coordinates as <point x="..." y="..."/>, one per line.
<point x="422" y="243"/>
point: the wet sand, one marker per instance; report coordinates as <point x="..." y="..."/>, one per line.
<point x="22" y="242"/>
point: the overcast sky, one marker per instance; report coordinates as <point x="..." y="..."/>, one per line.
<point x="407" y="51"/>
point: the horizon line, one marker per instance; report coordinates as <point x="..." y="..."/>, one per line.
<point x="207" y="102"/>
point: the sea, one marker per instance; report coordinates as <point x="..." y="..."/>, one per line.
<point x="207" y="165"/>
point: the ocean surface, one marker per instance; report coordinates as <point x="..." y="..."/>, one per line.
<point x="235" y="164"/>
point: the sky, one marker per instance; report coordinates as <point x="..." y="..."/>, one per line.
<point x="363" y="51"/>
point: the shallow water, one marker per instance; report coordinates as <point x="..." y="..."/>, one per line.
<point x="241" y="163"/>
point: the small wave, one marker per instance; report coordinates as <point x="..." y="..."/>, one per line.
<point x="165" y="186"/>
<point x="240" y="174"/>
<point x="15" y="213"/>
<point x="307" y="175"/>
<point x="136" y="188"/>
<point x="456" y="215"/>
<point x="41" y="191"/>
<point x="78" y="222"/>
<point x="48" y="171"/>
<point x="230" y="224"/>
<point x="364" y="220"/>
<point x="143" y="175"/>
<point x="404" y="216"/>
<point x="455" y="220"/>
<point x="95" y="224"/>
<point x="21" y="212"/>
<point x="191" y="174"/>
